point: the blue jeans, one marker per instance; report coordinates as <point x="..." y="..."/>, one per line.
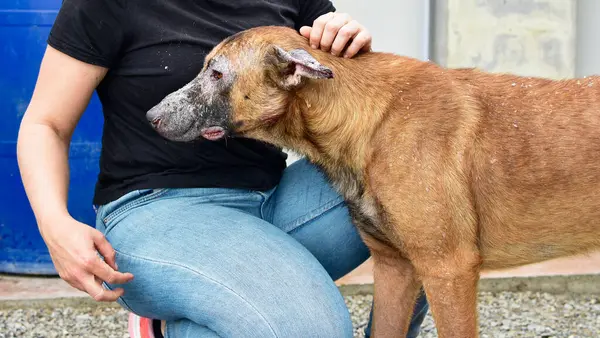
<point x="217" y="262"/>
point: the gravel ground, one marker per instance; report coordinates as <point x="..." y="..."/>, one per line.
<point x="508" y="314"/>
<point x="502" y="315"/>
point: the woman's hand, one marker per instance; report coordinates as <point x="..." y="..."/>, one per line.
<point x="333" y="31"/>
<point x="73" y="246"/>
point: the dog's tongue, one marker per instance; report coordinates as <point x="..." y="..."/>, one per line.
<point x="213" y="133"/>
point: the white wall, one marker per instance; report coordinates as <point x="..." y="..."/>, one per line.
<point x="398" y="26"/>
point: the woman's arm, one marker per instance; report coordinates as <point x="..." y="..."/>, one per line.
<point x="62" y="92"/>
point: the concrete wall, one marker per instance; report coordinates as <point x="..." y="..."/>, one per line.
<point x="527" y="37"/>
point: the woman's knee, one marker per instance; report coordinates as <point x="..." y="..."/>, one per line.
<point x="295" y="305"/>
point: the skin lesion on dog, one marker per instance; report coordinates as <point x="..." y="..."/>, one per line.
<point x="438" y="179"/>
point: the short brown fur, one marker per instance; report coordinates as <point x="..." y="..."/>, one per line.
<point x="448" y="172"/>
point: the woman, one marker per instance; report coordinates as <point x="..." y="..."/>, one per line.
<point x="215" y="238"/>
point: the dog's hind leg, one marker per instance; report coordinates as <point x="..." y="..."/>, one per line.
<point x="396" y="290"/>
<point x="451" y="288"/>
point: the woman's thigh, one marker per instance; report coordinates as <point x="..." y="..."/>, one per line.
<point x="307" y="207"/>
<point x="222" y="268"/>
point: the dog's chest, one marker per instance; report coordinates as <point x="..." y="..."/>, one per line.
<point x="368" y="217"/>
<point x="365" y="211"/>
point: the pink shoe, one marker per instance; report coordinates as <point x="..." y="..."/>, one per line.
<point x="141" y="327"/>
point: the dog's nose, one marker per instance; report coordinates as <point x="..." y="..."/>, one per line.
<point x="155" y="122"/>
<point x="154" y="116"/>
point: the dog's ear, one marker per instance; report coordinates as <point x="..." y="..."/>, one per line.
<point x="294" y="66"/>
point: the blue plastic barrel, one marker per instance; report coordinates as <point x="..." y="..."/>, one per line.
<point x="24" y="28"/>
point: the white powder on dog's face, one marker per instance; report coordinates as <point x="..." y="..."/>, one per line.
<point x="200" y="104"/>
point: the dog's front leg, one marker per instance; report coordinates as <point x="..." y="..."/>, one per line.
<point x="451" y="288"/>
<point x="396" y="289"/>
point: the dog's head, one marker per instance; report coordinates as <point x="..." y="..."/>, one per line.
<point x="244" y="86"/>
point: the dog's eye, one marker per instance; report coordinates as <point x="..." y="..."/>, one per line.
<point x="217" y="75"/>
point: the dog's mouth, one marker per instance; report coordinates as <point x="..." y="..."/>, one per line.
<point x="213" y="133"/>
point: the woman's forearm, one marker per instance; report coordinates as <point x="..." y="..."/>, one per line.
<point x="42" y="155"/>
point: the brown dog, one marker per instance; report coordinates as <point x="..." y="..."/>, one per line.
<point x="446" y="171"/>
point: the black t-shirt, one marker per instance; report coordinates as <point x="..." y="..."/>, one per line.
<point x="152" y="48"/>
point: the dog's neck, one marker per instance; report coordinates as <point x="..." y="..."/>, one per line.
<point x="340" y="116"/>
